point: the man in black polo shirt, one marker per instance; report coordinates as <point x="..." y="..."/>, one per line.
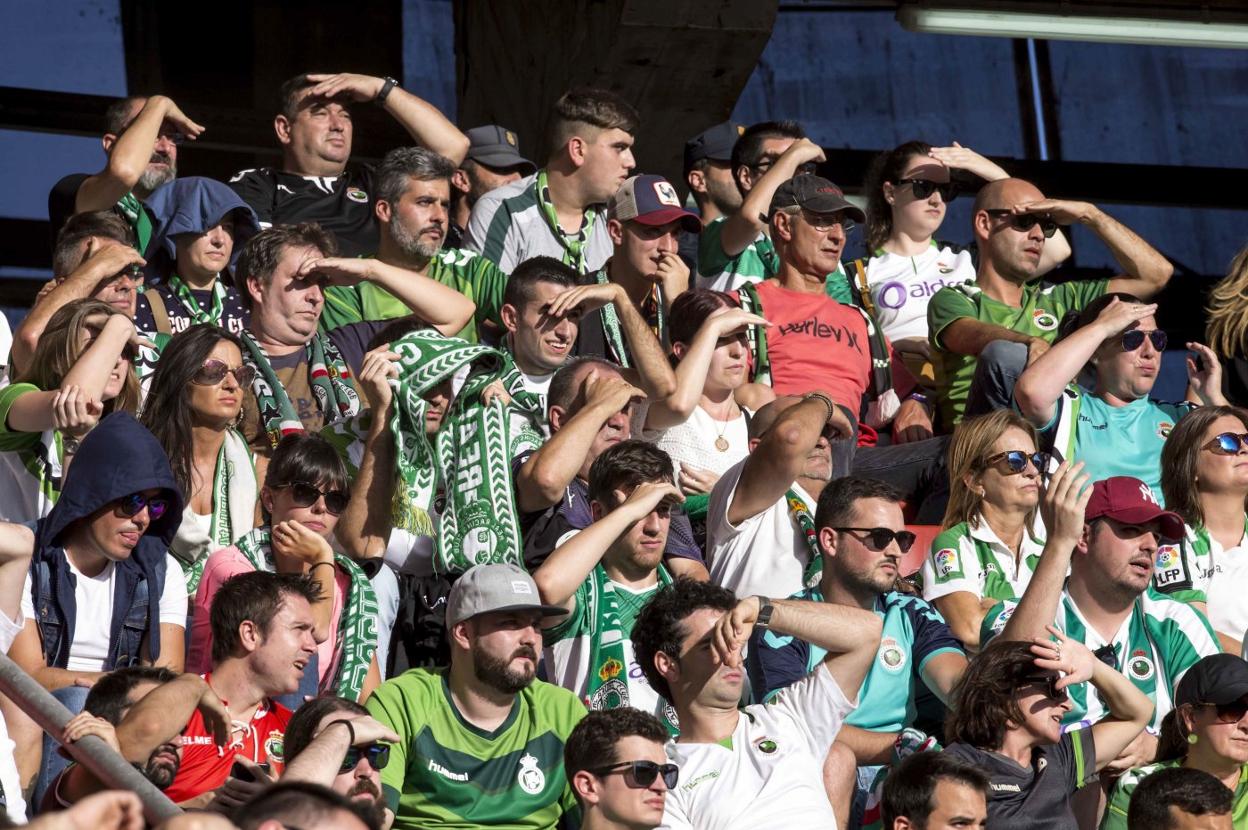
<point x="493" y="160"/>
<point x="315" y="182"/>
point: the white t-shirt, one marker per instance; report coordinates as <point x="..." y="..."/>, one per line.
<point x="772" y="776"/>
<point x="693" y="442"/>
<point x="901" y="286"/>
<point x="765" y="554"/>
<point x="93" y="598"/>
<point x="9" y="780"/>
<point x="1227" y="601"/>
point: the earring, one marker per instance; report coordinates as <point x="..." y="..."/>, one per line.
<point x="1191" y="739"/>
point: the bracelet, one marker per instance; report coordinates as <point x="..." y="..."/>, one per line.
<point x="322" y="565"/>
<point x="822" y="397"/>
<point x="350" y="729"/>
<point x="389" y="84"/>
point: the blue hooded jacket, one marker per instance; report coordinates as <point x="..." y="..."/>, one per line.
<point x="193" y="205"/>
<point x="117" y="458"/>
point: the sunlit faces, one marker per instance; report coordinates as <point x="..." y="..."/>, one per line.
<point x="288" y="309"/>
<point x="628" y="806"/>
<point x="643" y="247"/>
<point x="283" y="506"/>
<point x="730" y="362"/>
<point x="1128" y="375"/>
<point x="917" y="215"/>
<point x="607" y="161"/>
<point x="1014" y="254"/>
<point x="856" y="563"/>
<point x="114" y="535"/>
<point x="812" y="242"/>
<point x="162" y="167"/>
<point x="219" y="403"/>
<point x="437" y="402"/>
<point x="482" y="178"/>
<point x="418" y="220"/>
<point x="505" y="647"/>
<point x="285" y="647"/>
<point x="541" y="343"/>
<point x="320" y="133"/>
<point x="121" y="368"/>
<point x="1224" y="739"/>
<point x="202" y="256"/>
<point x="1215" y="471"/>
<point x="1008" y="492"/>
<point x="770" y="150"/>
<point x="1042" y="712"/>
<point x="640" y="548"/>
<point x="955" y="806"/>
<point x="697" y="672"/>
<point x="1123" y="554"/>
<point x="361" y="782"/>
<point x="118" y="290"/>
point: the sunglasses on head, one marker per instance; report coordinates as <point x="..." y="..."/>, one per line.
<point x="1013" y="462"/>
<point x="132" y="504"/>
<point x="1049" y="683"/>
<point x="214" y="371"/>
<point x="1227" y="443"/>
<point x="1132" y="340"/>
<point x="1026" y="221"/>
<point x="923" y="188"/>
<point x="378" y="756"/>
<point x="305" y="495"/>
<point x="641" y="774"/>
<point x="879" y="538"/>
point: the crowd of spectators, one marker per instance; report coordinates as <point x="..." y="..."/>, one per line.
<point x="461" y="491"/>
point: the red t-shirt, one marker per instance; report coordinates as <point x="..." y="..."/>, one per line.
<point x="205" y="766"/>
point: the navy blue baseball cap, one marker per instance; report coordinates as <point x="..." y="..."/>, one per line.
<point x="714" y="143"/>
<point x="651" y="200"/>
<point x="496" y="146"/>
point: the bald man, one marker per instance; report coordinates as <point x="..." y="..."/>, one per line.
<point x="985" y="332"/>
<point x="760" y="517"/>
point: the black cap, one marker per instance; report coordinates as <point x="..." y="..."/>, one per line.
<point x="814" y="193"/>
<point x="714" y="143"/>
<point x="496" y="146"/>
<point x="1216" y="679"/>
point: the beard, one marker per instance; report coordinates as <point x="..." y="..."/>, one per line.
<point x="411" y="243"/>
<point x="154" y="178"/>
<point x="498" y="673"/>
<point x="161" y="773"/>
<point x="376" y="807"/>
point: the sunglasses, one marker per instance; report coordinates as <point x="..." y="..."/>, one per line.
<point x="131" y="505"/>
<point x="765" y="163"/>
<point x="378" y="756"/>
<point x="1132" y="340"/>
<point x="1232" y="712"/>
<point x="214" y="371"/>
<point x="923" y="188"/>
<point x="305" y="495"/>
<point x="1228" y="443"/>
<point x="1013" y="462"/>
<point x="1049" y="683"/>
<point x="1026" y="221"/>
<point x="641" y="774"/>
<point x="879" y="538"/>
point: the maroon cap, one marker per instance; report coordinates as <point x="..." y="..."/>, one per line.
<point x="1130" y="501"/>
<point x="651" y="200"/>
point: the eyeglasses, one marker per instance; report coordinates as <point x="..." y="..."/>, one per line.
<point x="764" y="164"/>
<point x="879" y="538"/>
<point x="1013" y="462"/>
<point x="1049" y="683"/>
<point x="641" y="774"/>
<point x="1132" y="340"/>
<point x="214" y="371"/>
<point x="923" y="188"/>
<point x="378" y="756"/>
<point x="828" y="221"/>
<point x="132" y="504"/>
<point x="1227" y="443"/>
<point x="133" y="272"/>
<point x="305" y="495"/>
<point x="1026" y="221"/>
<point x="1232" y="712"/>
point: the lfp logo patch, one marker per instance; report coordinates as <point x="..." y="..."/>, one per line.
<point x="1168" y="572"/>
<point x="1043" y="320"/>
<point x="946" y="561"/>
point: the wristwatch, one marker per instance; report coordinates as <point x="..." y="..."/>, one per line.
<point x="764" y="612"/>
<point x="389" y="84"/>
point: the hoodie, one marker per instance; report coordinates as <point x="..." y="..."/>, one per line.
<point x="117" y="458"/>
<point x="193" y="205"/>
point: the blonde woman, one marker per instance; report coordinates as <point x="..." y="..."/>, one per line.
<point x="81" y="371"/>
<point x="991" y="540"/>
<point x="1226" y="331"/>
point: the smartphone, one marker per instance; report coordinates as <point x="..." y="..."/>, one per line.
<point x="243" y="772"/>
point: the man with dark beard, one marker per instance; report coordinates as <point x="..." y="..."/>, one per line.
<point x="332" y="741"/>
<point x="413" y="212"/>
<point x="485" y="719"/>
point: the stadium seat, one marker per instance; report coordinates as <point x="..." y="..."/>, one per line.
<point x="912" y="561"/>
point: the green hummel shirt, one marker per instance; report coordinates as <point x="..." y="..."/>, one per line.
<point x="1044" y="304"/>
<point x="474" y="276"/>
<point x="447" y="773"/>
<point x="720" y="272"/>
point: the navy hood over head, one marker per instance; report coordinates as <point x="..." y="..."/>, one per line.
<point x="193" y="204"/>
<point x="118" y="457"/>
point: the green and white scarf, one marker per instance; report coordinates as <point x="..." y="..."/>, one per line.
<point x="479" y="524"/>
<point x="234" y="494"/>
<point x="608" y="668"/>
<point x="611" y="323"/>
<point x="800" y="514"/>
<point x="355" y="641"/>
<point x="183" y="292"/>
<point x="327" y="374"/>
<point x="573" y="244"/>
<point x="132" y="209"/>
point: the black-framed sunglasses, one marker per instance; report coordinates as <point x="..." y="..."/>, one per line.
<point x="1132" y="340"/>
<point x="214" y="371"/>
<point x="879" y="538"/>
<point x="639" y="775"/>
<point x="378" y="756"/>
<point x="1227" y="443"/>
<point x="1013" y="462"/>
<point x="923" y="188"/>
<point x="305" y="495"/>
<point x="132" y="504"/>
<point x="1049" y="683"/>
<point x="1232" y="712"/>
<point x="1026" y="221"/>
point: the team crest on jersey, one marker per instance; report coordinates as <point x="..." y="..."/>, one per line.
<point x="275" y="746"/>
<point x="766" y="745"/>
<point x="531" y="779"/>
<point x="666" y="194"/>
<point x="610" y="695"/>
<point x="946" y="561"/>
<point x="891" y="655"/>
<point x="1139" y="665"/>
<point x="1043" y="320"/>
<point x="1163" y="430"/>
<point x="357" y="195"/>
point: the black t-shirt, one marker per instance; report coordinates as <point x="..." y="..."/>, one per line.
<point x="341" y="204"/>
<point x="234" y="316"/>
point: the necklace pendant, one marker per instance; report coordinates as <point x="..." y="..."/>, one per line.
<point x="721" y="444"/>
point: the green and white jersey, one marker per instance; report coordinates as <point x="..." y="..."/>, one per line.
<point x="1120" y="797"/>
<point x="972" y="558"/>
<point x="1043" y="306"/>
<point x="719" y="272"/>
<point x="1199" y="569"/>
<point x="475" y="277"/>
<point x="30" y="464"/>
<point x="1155" y="646"/>
<point x="446" y="772"/>
<point x="507" y="227"/>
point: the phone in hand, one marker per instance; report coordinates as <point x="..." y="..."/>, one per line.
<point x="243" y="772"/>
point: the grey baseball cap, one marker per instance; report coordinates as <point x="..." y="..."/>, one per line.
<point x="496" y="146"/>
<point x="487" y="588"/>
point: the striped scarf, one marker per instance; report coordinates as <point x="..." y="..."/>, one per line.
<point x="329" y="377"/>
